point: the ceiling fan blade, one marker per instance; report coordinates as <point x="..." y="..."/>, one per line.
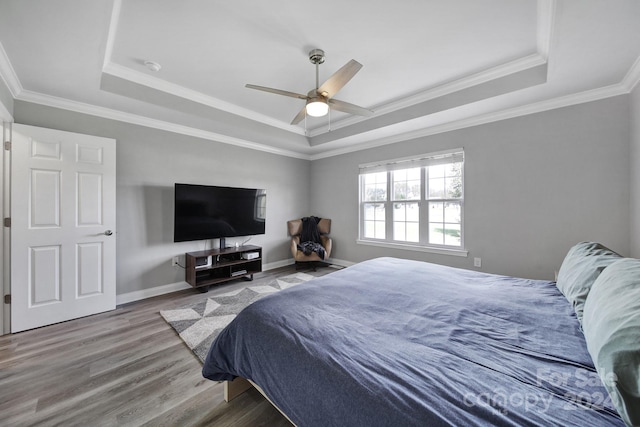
<point x="277" y="91"/>
<point x="340" y="78"/>
<point x="298" y="118"/>
<point x="346" y="107"/>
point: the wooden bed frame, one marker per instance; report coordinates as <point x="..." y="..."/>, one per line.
<point x="235" y="388"/>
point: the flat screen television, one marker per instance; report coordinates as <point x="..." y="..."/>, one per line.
<point x="211" y="212"/>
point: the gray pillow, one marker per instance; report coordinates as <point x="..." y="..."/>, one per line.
<point x="611" y="326"/>
<point x="581" y="267"/>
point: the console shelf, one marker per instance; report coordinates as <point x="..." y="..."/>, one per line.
<point x="214" y="266"/>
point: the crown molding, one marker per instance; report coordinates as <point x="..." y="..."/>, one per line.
<point x="107" y="113"/>
<point x="546" y="23"/>
<point x="8" y="74"/>
<point x="564" y="101"/>
<point x="525" y="110"/>
<point x="111" y="32"/>
<point x="632" y="77"/>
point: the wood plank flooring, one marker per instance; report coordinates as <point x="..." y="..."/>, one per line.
<point x="126" y="367"/>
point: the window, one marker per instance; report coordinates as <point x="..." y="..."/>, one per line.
<point x="414" y="202"/>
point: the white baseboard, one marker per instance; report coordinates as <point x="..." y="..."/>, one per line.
<point x="151" y="292"/>
<point x="277" y="264"/>
<point x="179" y="286"/>
<point x="341" y="262"/>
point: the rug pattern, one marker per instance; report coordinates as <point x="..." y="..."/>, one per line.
<point x="199" y="324"/>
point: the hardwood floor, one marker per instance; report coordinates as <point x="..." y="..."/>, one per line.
<point x="123" y="367"/>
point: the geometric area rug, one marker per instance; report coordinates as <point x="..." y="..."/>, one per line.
<point x="199" y="324"/>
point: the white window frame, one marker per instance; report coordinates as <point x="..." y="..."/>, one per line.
<point x="388" y="166"/>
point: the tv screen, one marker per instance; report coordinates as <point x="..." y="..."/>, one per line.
<point x="210" y="212"/>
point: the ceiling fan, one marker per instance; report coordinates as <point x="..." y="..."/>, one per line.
<point x="320" y="99"/>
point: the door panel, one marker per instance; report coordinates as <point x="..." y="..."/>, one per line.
<point x="62" y="204"/>
<point x="89" y="269"/>
<point x="44" y="276"/>
<point x="44" y="209"/>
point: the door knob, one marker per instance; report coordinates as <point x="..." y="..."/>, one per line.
<point x="108" y="233"/>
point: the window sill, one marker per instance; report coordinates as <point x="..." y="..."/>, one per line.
<point x="409" y="247"/>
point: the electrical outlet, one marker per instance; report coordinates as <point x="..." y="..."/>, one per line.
<point x="477" y="262"/>
<point x="174" y="261"/>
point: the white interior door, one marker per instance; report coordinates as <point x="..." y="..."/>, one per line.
<point x="63" y="220"/>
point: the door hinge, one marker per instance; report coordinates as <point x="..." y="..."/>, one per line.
<point x="7" y="299"/>
<point x="7" y="222"/>
<point x="7" y="145"/>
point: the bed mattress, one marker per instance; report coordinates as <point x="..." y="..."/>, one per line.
<point x="398" y="342"/>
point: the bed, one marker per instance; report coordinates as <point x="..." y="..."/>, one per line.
<point x="398" y="342"/>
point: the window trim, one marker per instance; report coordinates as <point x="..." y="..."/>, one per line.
<point x="416" y="248"/>
<point x="428" y="159"/>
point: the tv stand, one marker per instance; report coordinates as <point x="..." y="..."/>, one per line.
<point x="223" y="242"/>
<point x="214" y="266"/>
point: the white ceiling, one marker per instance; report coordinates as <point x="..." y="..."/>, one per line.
<point x="429" y="66"/>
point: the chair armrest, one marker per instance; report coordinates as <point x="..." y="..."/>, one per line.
<point x="294" y="245"/>
<point x="327" y="243"/>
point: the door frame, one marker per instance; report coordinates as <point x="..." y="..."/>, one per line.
<point x="5" y="253"/>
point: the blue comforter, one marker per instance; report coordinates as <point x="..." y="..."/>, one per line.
<point x="391" y="342"/>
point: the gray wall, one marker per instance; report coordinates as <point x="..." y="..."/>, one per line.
<point x="534" y="186"/>
<point x="150" y="161"/>
<point x="635" y="170"/>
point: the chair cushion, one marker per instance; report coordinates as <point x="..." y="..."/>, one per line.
<point x="294" y="227"/>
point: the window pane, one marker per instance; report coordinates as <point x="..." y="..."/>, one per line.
<point x="452" y="234"/>
<point x="375" y="186"/>
<point x="413" y="232"/>
<point x="369" y="229"/>
<point x="451" y="213"/>
<point x="453" y="187"/>
<point x="374" y="178"/>
<point x="374" y="220"/>
<point x="453" y="181"/>
<point x="436" y="188"/>
<point x="406" y="217"/>
<point x="369" y="212"/>
<point x="453" y="169"/>
<point x="413" y="212"/>
<point x="437" y="171"/>
<point x="436" y="212"/>
<point x="406" y="184"/>
<point x="436" y="234"/>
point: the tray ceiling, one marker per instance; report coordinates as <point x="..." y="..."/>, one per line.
<point x="429" y="66"/>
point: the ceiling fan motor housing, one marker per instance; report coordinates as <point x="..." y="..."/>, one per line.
<point x="316" y="56"/>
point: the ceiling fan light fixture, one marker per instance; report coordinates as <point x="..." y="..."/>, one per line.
<point x="317" y="107"/>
